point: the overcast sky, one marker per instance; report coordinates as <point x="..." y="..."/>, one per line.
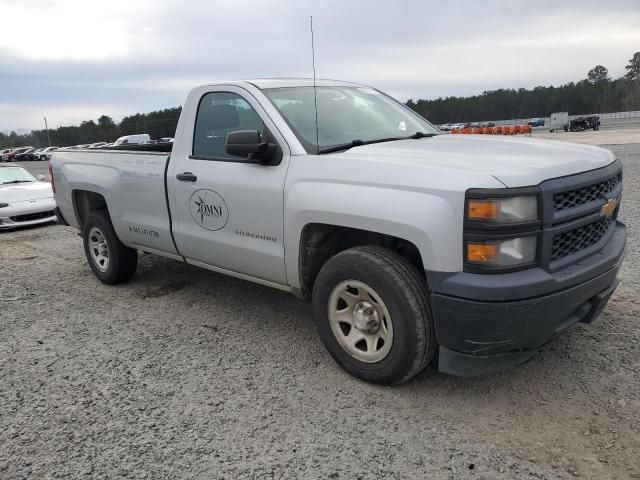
<point x="73" y="60"/>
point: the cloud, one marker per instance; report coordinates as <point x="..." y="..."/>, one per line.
<point x="77" y="59"/>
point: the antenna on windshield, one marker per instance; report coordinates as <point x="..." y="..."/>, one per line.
<point x="315" y="96"/>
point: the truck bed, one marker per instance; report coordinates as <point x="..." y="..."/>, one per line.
<point x="131" y="182"/>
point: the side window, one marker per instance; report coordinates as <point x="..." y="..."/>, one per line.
<point x="218" y="114"/>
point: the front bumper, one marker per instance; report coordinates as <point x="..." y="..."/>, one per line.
<point x="24" y="214"/>
<point x="486" y="323"/>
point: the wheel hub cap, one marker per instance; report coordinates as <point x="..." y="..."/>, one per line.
<point x="360" y="321"/>
<point x="99" y="249"/>
<point x="366" y="317"/>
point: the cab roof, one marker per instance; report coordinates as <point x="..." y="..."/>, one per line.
<point x="263" y="83"/>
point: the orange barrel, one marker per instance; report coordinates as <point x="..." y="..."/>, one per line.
<point x="497" y="130"/>
<point x="526" y="129"/>
<point x="487" y="130"/>
<point x="507" y="130"/>
<point x="455" y="130"/>
<point x="517" y="130"/>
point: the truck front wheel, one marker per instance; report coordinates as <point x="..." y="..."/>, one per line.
<point x="371" y="309"/>
<point x="110" y="260"/>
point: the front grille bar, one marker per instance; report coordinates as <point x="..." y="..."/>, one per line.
<point x="578" y="239"/>
<point x="580" y="196"/>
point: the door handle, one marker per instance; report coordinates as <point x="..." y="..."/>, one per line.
<point x="186" y="177"/>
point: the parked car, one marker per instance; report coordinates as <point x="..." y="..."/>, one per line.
<point x="536" y="122"/>
<point x="135" y="139"/>
<point x="11" y="156"/>
<point x="457" y="126"/>
<point x="98" y="145"/>
<point x="45" y="154"/>
<point x="159" y="141"/>
<point x="24" y="199"/>
<point x="407" y="242"/>
<point x="37" y="152"/>
<point x="446" y="127"/>
<point x="25" y="156"/>
<point x="4" y="152"/>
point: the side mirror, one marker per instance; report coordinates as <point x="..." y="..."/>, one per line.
<point x="41" y="178"/>
<point x="245" y="143"/>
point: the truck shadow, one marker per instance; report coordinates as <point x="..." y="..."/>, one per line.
<point x="286" y="320"/>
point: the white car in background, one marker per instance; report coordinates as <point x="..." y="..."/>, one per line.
<point x="446" y="127"/>
<point x="129" y="139"/>
<point x="45" y="154"/>
<point x="24" y="199"/>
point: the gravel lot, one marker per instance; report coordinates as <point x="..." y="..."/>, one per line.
<point x="183" y="373"/>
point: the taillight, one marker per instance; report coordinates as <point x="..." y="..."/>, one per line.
<point x="53" y="183"/>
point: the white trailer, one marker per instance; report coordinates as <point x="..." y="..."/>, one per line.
<point x="559" y="121"/>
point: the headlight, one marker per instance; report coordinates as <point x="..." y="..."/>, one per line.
<point x="502" y="211"/>
<point x="3" y="204"/>
<point x="501" y="229"/>
<point x="511" y="252"/>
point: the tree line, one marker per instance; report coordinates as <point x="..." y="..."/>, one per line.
<point x="598" y="93"/>
<point x="158" y="124"/>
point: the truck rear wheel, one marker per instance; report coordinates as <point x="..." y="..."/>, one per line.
<point x="110" y="260"/>
<point x="371" y="310"/>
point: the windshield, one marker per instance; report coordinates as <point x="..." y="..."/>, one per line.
<point x="10" y="175"/>
<point x="345" y="115"/>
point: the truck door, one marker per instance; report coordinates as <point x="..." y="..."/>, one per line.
<point x="228" y="210"/>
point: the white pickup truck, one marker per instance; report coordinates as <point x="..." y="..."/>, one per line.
<point x="409" y="243"/>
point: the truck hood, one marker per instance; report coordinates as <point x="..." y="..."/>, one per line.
<point x="23" y="192"/>
<point x="514" y="161"/>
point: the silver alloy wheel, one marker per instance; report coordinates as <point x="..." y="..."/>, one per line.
<point x="360" y="321"/>
<point x="99" y="249"/>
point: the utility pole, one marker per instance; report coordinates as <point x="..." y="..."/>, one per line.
<point x="47" y="129"/>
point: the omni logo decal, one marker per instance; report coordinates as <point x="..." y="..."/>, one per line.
<point x="208" y="209"/>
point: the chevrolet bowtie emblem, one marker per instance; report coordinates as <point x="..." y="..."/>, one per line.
<point x="609" y="207"/>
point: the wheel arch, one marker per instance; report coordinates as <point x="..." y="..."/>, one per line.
<point x="85" y="202"/>
<point x="321" y="241"/>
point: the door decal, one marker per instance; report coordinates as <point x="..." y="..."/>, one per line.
<point x="208" y="209"/>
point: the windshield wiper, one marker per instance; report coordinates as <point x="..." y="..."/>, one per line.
<point x="357" y="142"/>
<point x="17" y="181"/>
<point x="422" y="135"/>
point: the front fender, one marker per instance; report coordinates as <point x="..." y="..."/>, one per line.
<point x="433" y="223"/>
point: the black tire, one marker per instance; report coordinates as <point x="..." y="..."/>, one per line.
<point x="404" y="292"/>
<point x="123" y="260"/>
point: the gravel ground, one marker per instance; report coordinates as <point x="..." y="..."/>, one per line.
<point x="183" y="373"/>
